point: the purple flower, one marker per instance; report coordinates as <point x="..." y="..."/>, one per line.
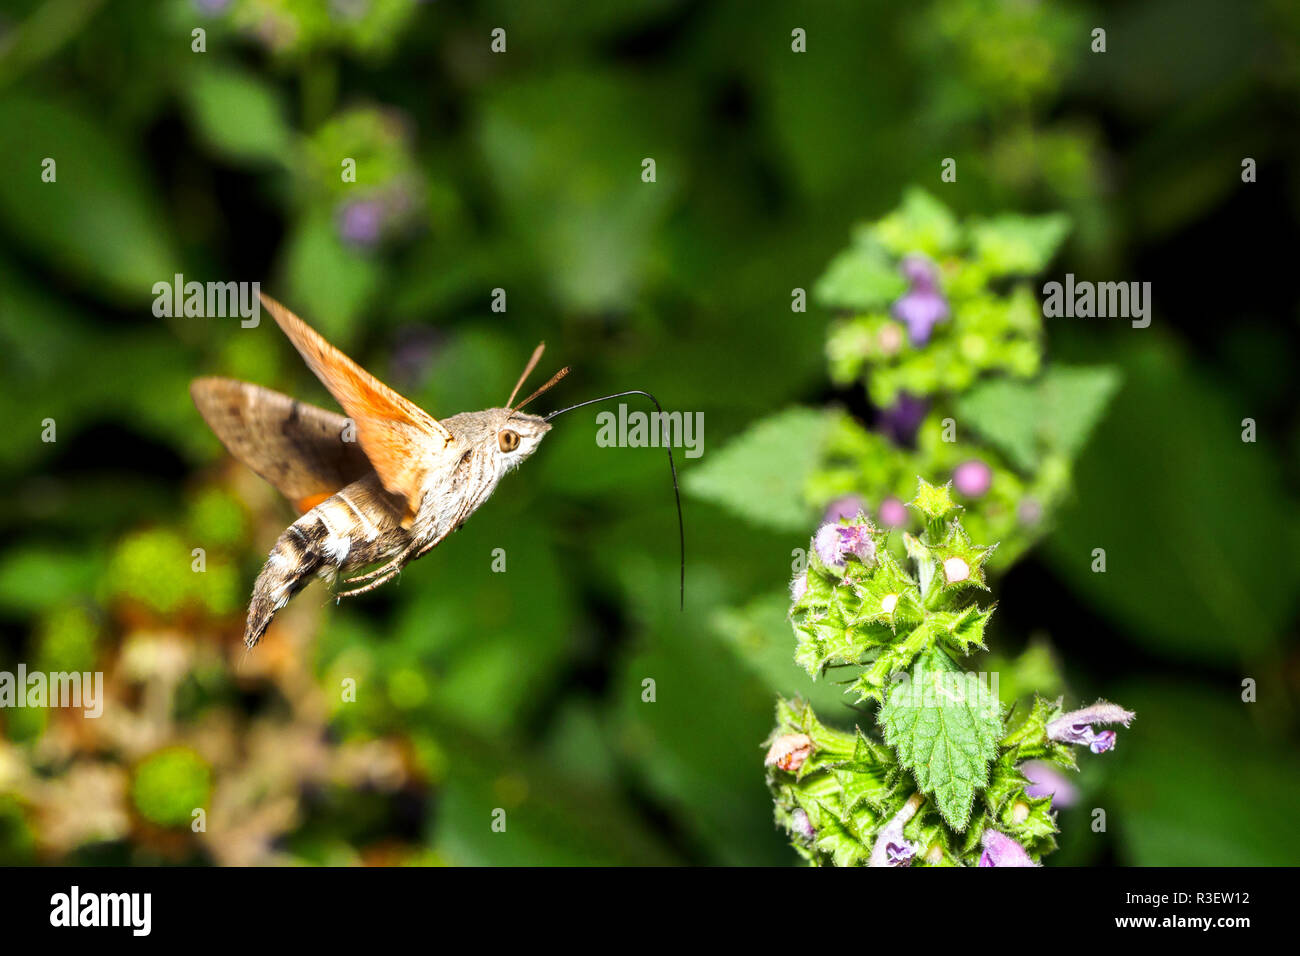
<point x="1046" y="781"/>
<point x="893" y="513"/>
<point x="361" y="221"/>
<point x="845" y="506"/>
<point x="900" y="421"/>
<point x="414" y="349"/>
<point x="801" y="825"/>
<point x="834" y="542"/>
<point x="799" y="587"/>
<point x="922" y="307"/>
<point x="899" y="854"/>
<point x="891" y="847"/>
<point x="212" y="7"/>
<point x="972" y="478"/>
<point x="1076" y="726"/>
<point x="1001" y="850"/>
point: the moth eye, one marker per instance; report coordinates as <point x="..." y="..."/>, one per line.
<point x="507" y="440"/>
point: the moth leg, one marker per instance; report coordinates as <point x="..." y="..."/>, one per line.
<point x="382" y="569"/>
<point x="373" y="584"/>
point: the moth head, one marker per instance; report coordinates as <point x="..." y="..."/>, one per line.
<point x="516" y="435"/>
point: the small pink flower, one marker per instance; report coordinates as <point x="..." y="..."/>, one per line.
<point x="892" y="513"/>
<point x="845" y="506"/>
<point x="1045" y="780"/>
<point x="972" y="478"/>
<point x="1001" y="850"/>
<point x="799" y="587"/>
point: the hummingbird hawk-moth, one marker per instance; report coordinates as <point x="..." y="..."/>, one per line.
<point x="377" y="502"/>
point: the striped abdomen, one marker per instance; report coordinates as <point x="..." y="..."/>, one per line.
<point x="358" y="526"/>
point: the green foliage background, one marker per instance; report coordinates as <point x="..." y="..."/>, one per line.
<point x="523" y="690"/>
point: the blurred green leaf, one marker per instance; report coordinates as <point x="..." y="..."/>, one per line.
<point x="1181" y="505"/>
<point x="238" y="113"/>
<point x="329" y="282"/>
<point x="565" y="153"/>
<point x="99" y="220"/>
<point x="760" y="635"/>
<point x="760" y="475"/>
<point x="37" y="576"/>
<point x="862" y="277"/>
<point x="1197" y="781"/>
<point x="1018" y="245"/>
<point x="170" y="785"/>
<point x="1054" y="415"/>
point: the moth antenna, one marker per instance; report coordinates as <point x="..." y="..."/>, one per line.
<point x="528" y="370"/>
<point x="672" y="466"/>
<point x="545" y="388"/>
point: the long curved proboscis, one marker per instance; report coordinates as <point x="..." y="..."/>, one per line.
<point x="672" y="466"/>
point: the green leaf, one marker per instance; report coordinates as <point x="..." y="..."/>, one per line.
<point x="99" y="220"/>
<point x="1018" y="245"/>
<point x="329" y="282"/>
<point x="1027" y="420"/>
<point x="1208" y="572"/>
<point x="760" y="635"/>
<point x="1204" y="782"/>
<point x="238" y="113"/>
<point x="860" y="278"/>
<point x="921" y="224"/>
<point x="945" y="727"/>
<point x="761" y="474"/>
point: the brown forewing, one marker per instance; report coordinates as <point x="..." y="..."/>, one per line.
<point x="298" y="448"/>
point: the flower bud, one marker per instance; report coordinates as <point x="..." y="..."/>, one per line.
<point x="788" y="752"/>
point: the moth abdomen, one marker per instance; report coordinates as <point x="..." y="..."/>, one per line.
<point x="296" y="556"/>
<point x="351" y="529"/>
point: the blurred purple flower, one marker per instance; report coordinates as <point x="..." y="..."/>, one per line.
<point x="900" y="421"/>
<point x="1029" y="511"/>
<point x="972" y="478"/>
<point x="834" y="542"/>
<point x="361" y="221"/>
<point x="212" y="7"/>
<point x="414" y="348"/>
<point x="1046" y="780"/>
<point x="893" y="513"/>
<point x="846" y="506"/>
<point x="922" y="307"/>
<point x="1001" y="850"/>
<point x="1076" y="726"/>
